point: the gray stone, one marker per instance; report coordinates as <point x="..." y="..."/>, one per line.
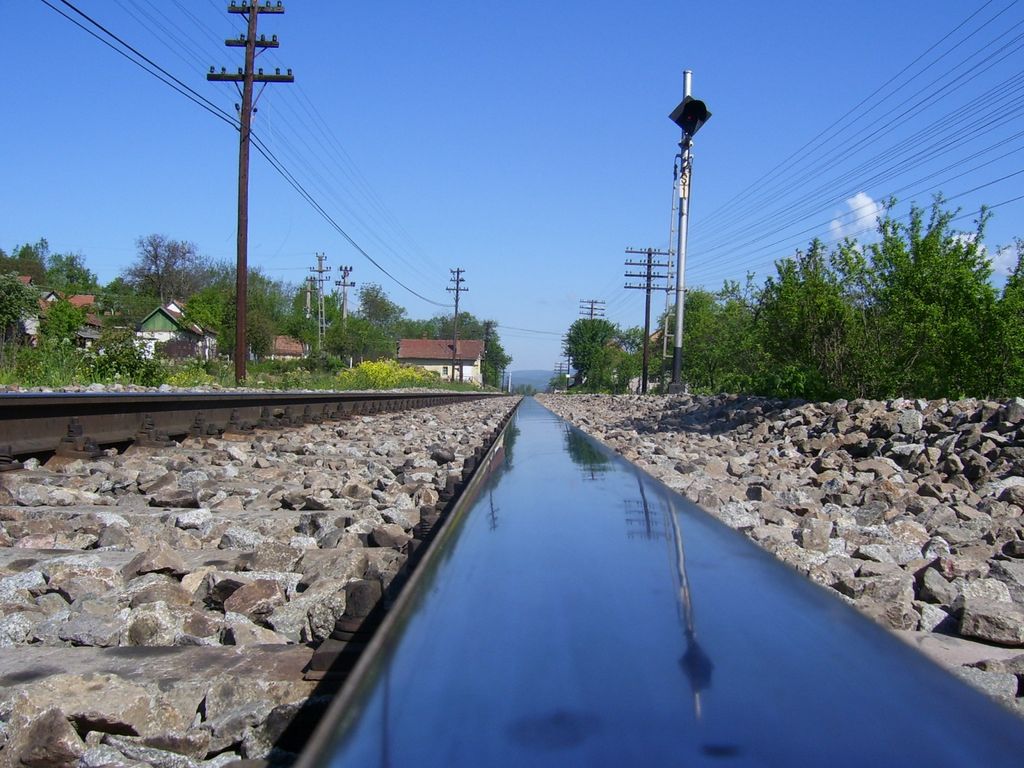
<point x="158" y="559"/>
<point x="49" y="741"/>
<point x="992" y="621"/>
<point x="933" y="587"/>
<point x="15" y="628"/>
<point x="998" y="685"/>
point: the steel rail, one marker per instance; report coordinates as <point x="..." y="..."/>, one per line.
<point x="79" y="424"/>
<point x="607" y="620"/>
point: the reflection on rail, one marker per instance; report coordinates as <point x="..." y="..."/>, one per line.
<point x="548" y="627"/>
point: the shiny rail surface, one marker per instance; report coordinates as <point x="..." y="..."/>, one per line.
<point x="77" y="423"/>
<point x="579" y="612"/>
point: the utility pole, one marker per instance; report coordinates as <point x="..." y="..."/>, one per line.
<point x="562" y="369"/>
<point x="321" y="317"/>
<point x="457" y="280"/>
<point x="649" y="277"/>
<point x="344" y="284"/>
<point x="689" y="115"/>
<point x="309" y="297"/>
<point x="247" y="76"/>
<point x="592" y="308"/>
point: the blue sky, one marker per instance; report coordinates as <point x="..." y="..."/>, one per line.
<point x="527" y="142"/>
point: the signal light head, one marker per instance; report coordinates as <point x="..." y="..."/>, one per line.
<point x="690" y="115"/>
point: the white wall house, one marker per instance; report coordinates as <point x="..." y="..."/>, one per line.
<point x="436" y="355"/>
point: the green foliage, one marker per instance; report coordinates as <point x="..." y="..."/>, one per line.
<point x="67" y="273"/>
<point x="376" y="308"/>
<point x="1009" y="343"/>
<point x="17" y="302"/>
<point x="584" y="344"/>
<point x="359" y="339"/>
<point x="27" y="259"/>
<point x="386" y="374"/>
<point x="935" y="307"/>
<point x="119" y="357"/>
<point x="913" y="314"/>
<point x="54" y="363"/>
<point x="188" y="373"/>
<point x="61" y="321"/>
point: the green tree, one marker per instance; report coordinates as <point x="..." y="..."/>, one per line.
<point x="585" y="342"/>
<point x="27" y="259"/>
<point x="66" y="272"/>
<point x="936" y="306"/>
<point x="803" y="326"/>
<point x="61" y="321"/>
<point x="267" y="306"/>
<point x="17" y="302"/>
<point x="376" y="308"/>
<point x="360" y="340"/>
<point x="1009" y="355"/>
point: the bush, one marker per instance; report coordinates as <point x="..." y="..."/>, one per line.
<point x="120" y="358"/>
<point x="190" y="373"/>
<point x="386" y="374"/>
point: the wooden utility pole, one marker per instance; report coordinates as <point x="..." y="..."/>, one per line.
<point x="592" y="308"/>
<point x="649" y="276"/>
<point x="456" y="288"/>
<point x="247" y="76"/>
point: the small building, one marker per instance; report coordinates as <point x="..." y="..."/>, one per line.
<point x="86" y="335"/>
<point x="179" y="337"/>
<point x="288" y="348"/>
<point x="436" y="355"/>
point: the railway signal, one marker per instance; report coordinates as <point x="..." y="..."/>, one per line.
<point x="690" y="115"/>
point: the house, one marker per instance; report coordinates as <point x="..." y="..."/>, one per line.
<point x="288" y="348"/>
<point x="167" y="326"/>
<point x="436" y="355"/>
<point x="90" y="329"/>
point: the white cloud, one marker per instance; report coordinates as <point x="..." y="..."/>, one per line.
<point x="1004" y="261"/>
<point x="861" y="216"/>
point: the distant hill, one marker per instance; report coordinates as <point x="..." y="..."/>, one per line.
<point x="537" y="379"/>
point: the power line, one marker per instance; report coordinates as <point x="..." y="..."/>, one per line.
<point x="175" y="83"/>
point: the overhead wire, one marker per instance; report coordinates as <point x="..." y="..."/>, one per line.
<point x="780" y="180"/>
<point x="175" y="83"/>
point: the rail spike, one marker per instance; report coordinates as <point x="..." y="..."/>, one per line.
<point x="149" y="437"/>
<point x="76" y="445"/>
<point x="7" y="462"/>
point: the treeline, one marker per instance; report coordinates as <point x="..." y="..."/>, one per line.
<point x="166" y="269"/>
<point x="913" y="314"/>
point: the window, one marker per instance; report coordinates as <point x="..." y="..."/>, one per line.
<point x="444" y="370"/>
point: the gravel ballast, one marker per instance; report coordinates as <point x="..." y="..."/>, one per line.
<point x="160" y="606"/>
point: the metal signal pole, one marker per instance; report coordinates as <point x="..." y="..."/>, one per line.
<point x="321" y="316"/>
<point x="649" y="276"/>
<point x="246" y="77"/>
<point x="689" y="115"/>
<point x="456" y="288"/>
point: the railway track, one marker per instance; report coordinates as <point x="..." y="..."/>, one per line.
<point x="78" y="425"/>
<point x="579" y="612"/>
<point x="161" y="599"/>
<point x="569" y="610"/>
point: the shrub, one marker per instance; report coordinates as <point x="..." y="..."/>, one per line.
<point x="386" y="374"/>
<point x="121" y="358"/>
